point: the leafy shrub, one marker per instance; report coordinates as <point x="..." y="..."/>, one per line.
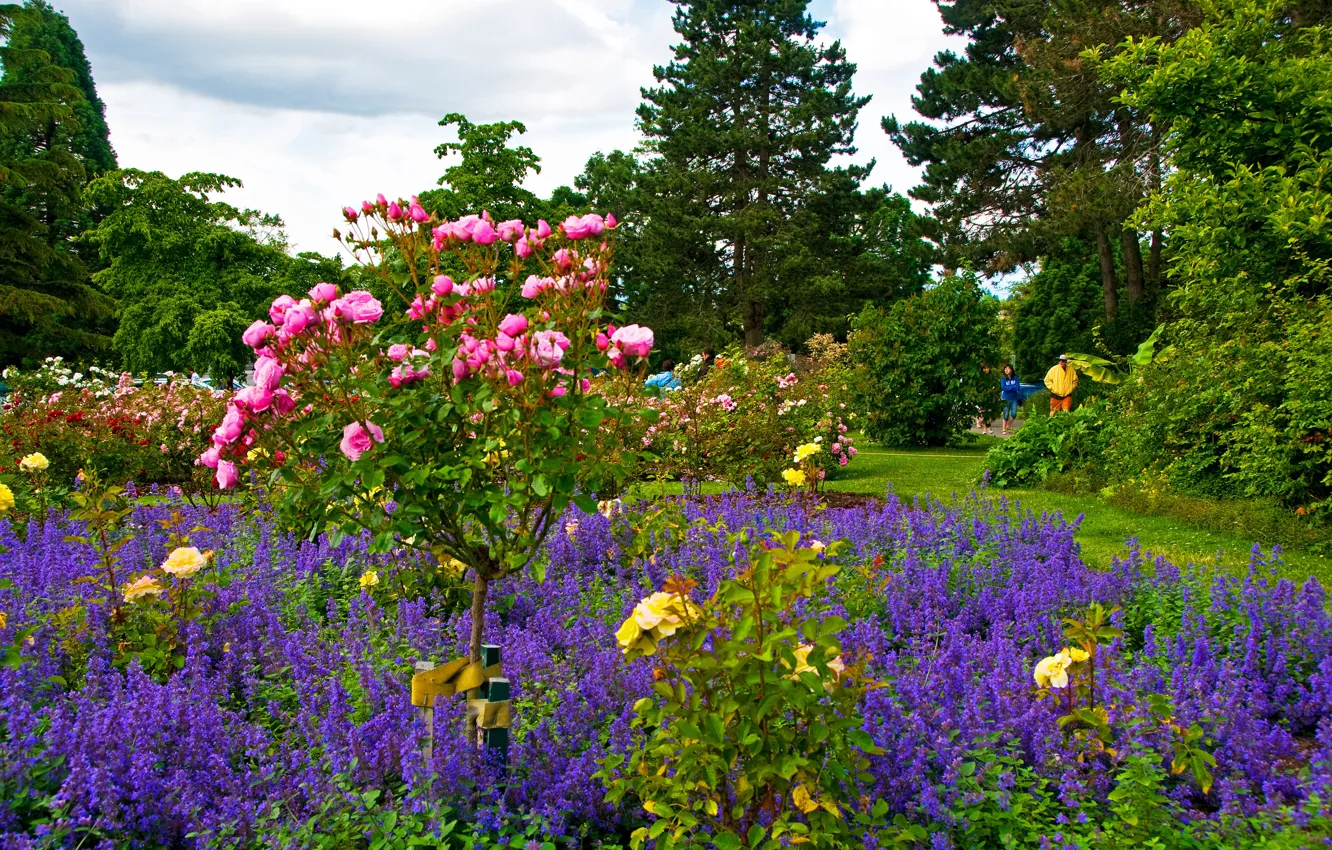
<point x="1051" y="444"/>
<point x="921" y="365"/>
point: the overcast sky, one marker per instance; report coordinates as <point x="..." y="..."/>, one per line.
<point x="315" y="104"/>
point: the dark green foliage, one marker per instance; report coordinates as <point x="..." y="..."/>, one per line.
<point x="51" y="135"/>
<point x="1241" y="407"/>
<point x="1052" y="444"/>
<point x="921" y="364"/>
<point x="190" y="272"/>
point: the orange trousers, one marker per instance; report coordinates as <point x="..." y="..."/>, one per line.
<point x="1058" y="404"/>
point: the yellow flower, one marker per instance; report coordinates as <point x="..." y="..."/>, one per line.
<point x="141" y="587"/>
<point x="34" y="462"/>
<point x="835" y="664"/>
<point x="659" y="615"/>
<point x="806" y="451"/>
<point x="3" y="621"/>
<point x="452" y="566"/>
<point x="6" y="498"/>
<point x="185" y="561"/>
<point x="818" y="546"/>
<point x="369" y="578"/>
<point x="794" y="477"/>
<point x="1077" y="654"/>
<point x="226" y="647"/>
<point x="1052" y="672"/>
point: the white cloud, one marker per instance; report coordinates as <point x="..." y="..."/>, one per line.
<point x="318" y="104"/>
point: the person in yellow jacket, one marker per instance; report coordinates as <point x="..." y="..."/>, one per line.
<point x="1061" y="381"/>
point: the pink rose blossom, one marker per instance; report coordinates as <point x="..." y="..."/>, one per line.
<point x="514" y="377"/>
<point x="256" y="333"/>
<point x="359" y="307"/>
<point x="323" y="293"/>
<point x="298" y="318"/>
<point x="543" y="229"/>
<point x="233" y="424"/>
<point x="281" y="305"/>
<point x="418" y="213"/>
<point x="443" y="285"/>
<point x="563" y="258"/>
<point x="267" y="373"/>
<point x="532" y="286"/>
<point x="226" y="474"/>
<point x="211" y="457"/>
<point x="484" y="234"/>
<point x="611" y="223"/>
<point x="367" y="207"/>
<point x="356" y="440"/>
<point x="633" y="340"/>
<point x="397" y="351"/>
<point x="522" y="248"/>
<point x="350" y="214"/>
<point x="255" y="399"/>
<point x="511" y="230"/>
<point x="548" y="347"/>
<point x="513" y="324"/>
<point x="460" y="370"/>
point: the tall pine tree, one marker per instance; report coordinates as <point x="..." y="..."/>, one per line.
<point x="51" y="137"/>
<point x="743" y="125"/>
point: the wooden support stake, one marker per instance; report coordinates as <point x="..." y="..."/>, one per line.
<point x="427" y="714"/>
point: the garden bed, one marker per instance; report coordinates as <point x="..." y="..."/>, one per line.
<point x="283" y="718"/>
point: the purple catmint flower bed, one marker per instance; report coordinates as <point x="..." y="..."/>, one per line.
<point x="291" y="702"/>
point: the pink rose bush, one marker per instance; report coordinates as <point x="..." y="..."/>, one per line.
<point x="472" y="401"/>
<point x="744" y="421"/>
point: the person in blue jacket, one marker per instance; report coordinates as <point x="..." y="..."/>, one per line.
<point x="1011" y="391"/>
<point x="666" y="378"/>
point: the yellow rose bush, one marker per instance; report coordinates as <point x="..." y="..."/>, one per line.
<point x="752" y="735"/>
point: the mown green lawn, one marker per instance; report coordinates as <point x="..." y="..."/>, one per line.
<point x="953" y="472"/>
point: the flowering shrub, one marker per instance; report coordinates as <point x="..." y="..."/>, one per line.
<point x="103" y="423"/>
<point x="292" y="704"/>
<point x="471" y="403"/>
<point x="745" y="417"/>
<point x="753" y="733"/>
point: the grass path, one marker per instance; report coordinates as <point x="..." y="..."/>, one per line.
<point x="953" y="472"/>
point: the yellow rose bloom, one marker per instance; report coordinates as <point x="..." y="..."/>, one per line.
<point x="185" y="561"/>
<point x="794" y="477"/>
<point x="141" y="587"/>
<point x="6" y="498"/>
<point x="369" y="579"/>
<point x="34" y="462"/>
<point x="808" y="450"/>
<point x="1077" y="654"/>
<point x="835" y="664"/>
<point x="1052" y="672"/>
<point x="659" y="615"/>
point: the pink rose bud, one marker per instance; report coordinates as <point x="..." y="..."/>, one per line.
<point x="586" y="385"/>
<point x="603" y="342"/>
<point x="323" y="293"/>
<point x="283" y="403"/>
<point x="357" y="440"/>
<point x="522" y="248"/>
<point x="513" y="324"/>
<point x="367" y="207"/>
<point x="256" y="333"/>
<point x="430" y="344"/>
<point x="611" y="223"/>
<point x="350" y="214"/>
<point x="443" y="285"/>
<point x="394" y="212"/>
<point x="418" y="213"/>
<point x="460" y="370"/>
<point x="281" y="305"/>
<point x="226" y="474"/>
<point x="543" y="229"/>
<point x="558" y="392"/>
<point x="562" y="259"/>
<point x="397" y="352"/>
<point x="514" y="377"/>
<point x="381" y="199"/>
